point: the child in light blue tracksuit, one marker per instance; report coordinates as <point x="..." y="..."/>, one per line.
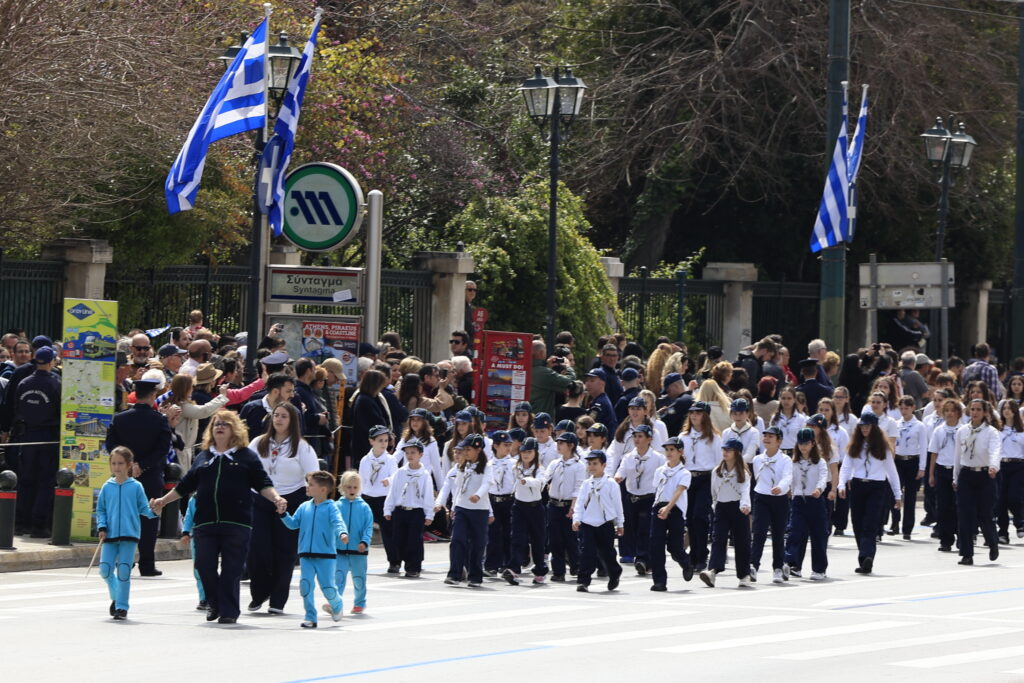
<point x="320" y="526"/>
<point x="186" y="539"/>
<point x="121" y="502"/>
<point x="352" y="556"/>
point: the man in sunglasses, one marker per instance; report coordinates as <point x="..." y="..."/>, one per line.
<point x="142" y="349"/>
<point x="458" y="343"/>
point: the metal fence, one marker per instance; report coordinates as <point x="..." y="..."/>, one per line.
<point x="789" y="309"/>
<point x="671" y="307"/>
<point x="31" y="296"/>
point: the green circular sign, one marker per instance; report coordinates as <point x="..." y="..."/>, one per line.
<point x="323" y="207"/>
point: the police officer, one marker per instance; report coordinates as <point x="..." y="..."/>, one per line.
<point x="147" y="433"/>
<point x="674" y="404"/>
<point x="600" y="405"/>
<point x="810" y="386"/>
<point x="37" y="422"/>
<point x="630" y="389"/>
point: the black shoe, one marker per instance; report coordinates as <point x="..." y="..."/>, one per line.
<point x="1004" y="539"/>
<point x="489" y="573"/>
<point x="510" y="576"/>
<point x="659" y="588"/>
<point x="602" y="574"/>
<point x="839" y="532"/>
<point x="394" y="569"/>
<point x="227" y="620"/>
<point x="891" y="531"/>
<point x="945" y="549"/>
<point x="203" y="606"/>
<point x="878" y="538"/>
<point x="993" y="553"/>
<point x="641" y="568"/>
<point x="573" y="571"/>
<point x="308" y="624"/>
<point x="212" y="614"/>
<point x="150" y="572"/>
<point x="412" y="575"/>
<point x="687" y="572"/>
<point x="906" y="537"/>
<point x="120" y="614"/>
<point x="927" y="521"/>
<point x="966" y="561"/>
<point x="113" y="609"/>
<point x="935" y="533"/>
<point x="255" y="606"/>
<point x="582" y="589"/>
<point x="613" y="581"/>
<point x="869" y="564"/>
<point x="558" y="578"/>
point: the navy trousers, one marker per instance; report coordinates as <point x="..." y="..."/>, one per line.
<point x="37" y="473"/>
<point x="469" y="537"/>
<point x="769" y="512"/>
<point x="975" y="503"/>
<point x="909" y="484"/>
<point x="698" y="518"/>
<point x="666" y="535"/>
<point x="562" y="541"/>
<point x="597" y="544"/>
<point x="387" y="528"/>
<point x="868" y="500"/>
<point x="528" y="535"/>
<point x="638" y="516"/>
<point x="499" y="536"/>
<point x="227" y="544"/>
<point x="945" y="506"/>
<point x="152" y="481"/>
<point x="1011" y="496"/>
<point x="272" y="550"/>
<point x="729" y="520"/>
<point x="408" y="538"/>
<point x="808" y="519"/>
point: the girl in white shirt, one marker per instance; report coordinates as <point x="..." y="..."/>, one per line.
<point x="742" y="428"/>
<point x="668" y="523"/>
<point x="419" y="427"/>
<point x="844" y="414"/>
<point x="377" y="468"/>
<point x="461" y="428"/>
<point x="622" y="444"/>
<point x="1011" y="471"/>
<point x="528" y="532"/>
<point x="975" y="467"/>
<point x="470" y="514"/>
<point x="941" y="456"/>
<point x="730" y="490"/>
<point x="808" y="516"/>
<point x="840" y="507"/>
<point x="788" y="419"/>
<point x="660" y="430"/>
<point x="869" y="471"/>
<point x="702" y="451"/>
<point x="287" y="459"/>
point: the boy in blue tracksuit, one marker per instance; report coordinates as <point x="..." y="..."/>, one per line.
<point x="320" y="526"/>
<point x="186" y="539"/>
<point x="121" y="502"/>
<point x="352" y="556"/>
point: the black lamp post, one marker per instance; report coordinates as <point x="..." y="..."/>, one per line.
<point x="553" y="102"/>
<point x="950" y="152"/>
<point x="282" y="61"/>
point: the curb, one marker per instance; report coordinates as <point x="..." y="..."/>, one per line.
<point x="75" y="555"/>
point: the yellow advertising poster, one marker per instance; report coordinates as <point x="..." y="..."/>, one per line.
<point x="87" y="403"/>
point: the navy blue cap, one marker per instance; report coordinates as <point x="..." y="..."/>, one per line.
<point x="463" y="416"/>
<point x="673" y="441"/>
<point x="473" y="441"/>
<point x="529" y="444"/>
<point x="715" y="352"/>
<point x="421" y="413"/>
<point x="501" y="436"/>
<point x="275" y="358"/>
<point x="522" y="407"/>
<point x="805" y="435"/>
<point x="644" y="429"/>
<point x="377" y="430"/>
<point x="413" y="443"/>
<point x="598" y="373"/>
<point x="807" y="363"/>
<point x="638" y="402"/>
<point x="774" y="431"/>
<point x="475" y="412"/>
<point x="170" y="350"/>
<point x="700" y="407"/>
<point x="596" y="454"/>
<point x="629" y="374"/>
<point x="670" y="379"/>
<point x="732" y="445"/>
<point x="566" y="426"/>
<point x="517" y="434"/>
<point x="41" y="341"/>
<point x="541" y="420"/>
<point x="818" y="420"/>
<point x="44" y="355"/>
<point x="569" y="437"/>
<point x="739" y="405"/>
<point x="597" y="428"/>
<point x="869" y="418"/>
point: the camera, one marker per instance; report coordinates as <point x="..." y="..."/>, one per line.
<point x="443" y="372"/>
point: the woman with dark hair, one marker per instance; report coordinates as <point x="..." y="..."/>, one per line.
<point x="1010" y="498"/>
<point x="865" y="470"/>
<point x="287" y="459"/>
<point x="369" y="408"/>
<point x="573" y="406"/>
<point x="975" y="466"/>
<point x="766" y="402"/>
<point x="856" y="380"/>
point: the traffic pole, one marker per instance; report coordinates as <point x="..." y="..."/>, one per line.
<point x="169" y="516"/>
<point x="63" y="497"/>
<point x="8" y="503"/>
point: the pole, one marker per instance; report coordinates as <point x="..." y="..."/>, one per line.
<point x="553" y="215"/>
<point x="940" y="233"/>
<point x="643" y="306"/>
<point x="1017" y="293"/>
<point x="871" y="329"/>
<point x="832" y="310"/>
<point x="944" y="313"/>
<point x="374" y="237"/>
<point x="681" y="311"/>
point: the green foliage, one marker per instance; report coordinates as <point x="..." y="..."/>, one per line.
<point x="508" y="238"/>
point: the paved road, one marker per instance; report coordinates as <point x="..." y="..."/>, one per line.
<point x="920" y="617"/>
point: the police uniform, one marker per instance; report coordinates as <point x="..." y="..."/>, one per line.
<point x="37" y="419"/>
<point x="602" y="411"/>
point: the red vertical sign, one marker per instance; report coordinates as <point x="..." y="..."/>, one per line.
<point x="503" y="376"/>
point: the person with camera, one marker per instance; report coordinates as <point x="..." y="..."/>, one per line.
<point x="549" y="381"/>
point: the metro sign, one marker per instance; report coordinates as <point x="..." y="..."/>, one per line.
<point x="323" y="207"/>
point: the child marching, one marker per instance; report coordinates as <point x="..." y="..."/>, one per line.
<point x="730" y="492"/>
<point x="410" y="506"/>
<point x="564" y="477"/>
<point x="122" y="502"/>
<point x="942" y="455"/>
<point x="975" y="467"/>
<point x="637" y="470"/>
<point x="352" y="556"/>
<point x="376" y="469"/>
<point x="668" y="516"/>
<point x="499" y="533"/>
<point x="808" y="512"/>
<point x="471" y="513"/>
<point x="528" y="527"/>
<point x="598" y="519"/>
<point x="702" y="451"/>
<point x="773" y="472"/>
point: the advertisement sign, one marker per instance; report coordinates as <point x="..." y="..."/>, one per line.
<point x="479" y="322"/>
<point x="323" y="337"/>
<point x="504" y="374"/>
<point x="308" y="285"/>
<point x="87" y="403"/>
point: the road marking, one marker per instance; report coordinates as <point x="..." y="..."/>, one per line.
<point x="787" y="636"/>
<point x="98" y="587"/>
<point x="411" y="665"/>
<point x="583" y="622"/>
<point x="893" y="644"/>
<point x="477" y="616"/>
<point x="963" y="657"/>
<point x="667" y="630"/>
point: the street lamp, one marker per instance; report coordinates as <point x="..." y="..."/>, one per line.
<point x="952" y="152"/>
<point x="553" y="103"/>
<point x="283" y="59"/>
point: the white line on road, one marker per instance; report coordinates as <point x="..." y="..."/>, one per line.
<point x="786" y="636"/>
<point x="893" y="644"/>
<point x="478" y="616"/>
<point x="665" y="631"/>
<point x="584" y="622"/>
<point x="963" y="658"/>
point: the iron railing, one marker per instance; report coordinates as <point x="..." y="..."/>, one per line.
<point x="32" y="297"/>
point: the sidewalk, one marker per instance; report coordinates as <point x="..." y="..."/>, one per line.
<point x="37" y="553"/>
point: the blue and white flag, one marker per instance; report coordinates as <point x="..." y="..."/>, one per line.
<point x="238" y="104"/>
<point x="277" y="153"/>
<point x="837" y="210"/>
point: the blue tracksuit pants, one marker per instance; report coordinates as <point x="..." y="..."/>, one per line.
<point x="356" y="565"/>
<point x="313" y="570"/>
<point x="116" y="559"/>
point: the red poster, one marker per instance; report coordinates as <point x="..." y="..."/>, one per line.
<point x="503" y="377"/>
<point x="479" y="323"/>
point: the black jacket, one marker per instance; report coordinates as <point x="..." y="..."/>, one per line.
<point x="146" y="432"/>
<point x="223" y="486"/>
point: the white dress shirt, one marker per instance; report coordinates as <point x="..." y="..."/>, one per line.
<point x="637" y="471"/>
<point x="726" y="489"/>
<point x="431" y="460"/>
<point x="469" y="483"/>
<point x="943" y="444"/>
<point x="701" y="455"/>
<point x="666" y="481"/>
<point x="529" y="482"/>
<point x="789" y="426"/>
<point x="809" y="476"/>
<point x="976" y="447"/>
<point x="287" y="471"/>
<point x="750" y="437"/>
<point x="547" y="452"/>
<point x="504" y="480"/>
<point x="375" y="471"/>
<point x="848" y="423"/>
<point x="840" y="441"/>
<point x="1012" y="447"/>
<point x="866" y="466"/>
<point x="771" y="472"/>
<point x="599" y="501"/>
<point x="564" y="478"/>
<point x="912" y="439"/>
<point x="410" y="488"/>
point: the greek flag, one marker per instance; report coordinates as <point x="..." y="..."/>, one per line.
<point x="278" y="151"/>
<point x="238" y="104"/>
<point x="838" y="210"/>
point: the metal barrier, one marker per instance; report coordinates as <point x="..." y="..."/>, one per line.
<point x="673" y="307"/>
<point x="31" y="296"/>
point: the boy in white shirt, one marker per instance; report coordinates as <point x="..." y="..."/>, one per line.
<point x="598" y="519"/>
<point x="410" y="505"/>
